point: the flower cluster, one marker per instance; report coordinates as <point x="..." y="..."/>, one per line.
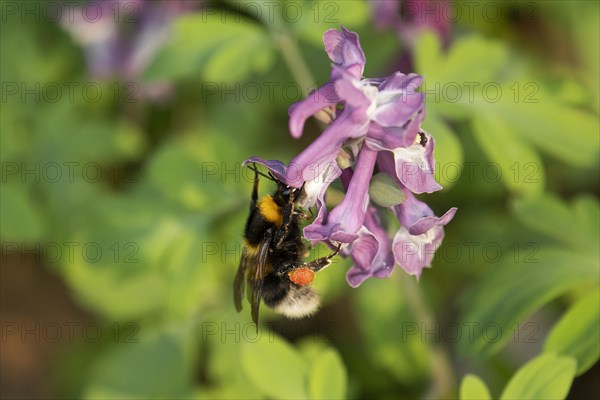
<point x="119" y="37"/>
<point x="374" y="124"/>
<point x="409" y="17"/>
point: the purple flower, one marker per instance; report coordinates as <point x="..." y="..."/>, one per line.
<point x="343" y="48"/>
<point x="375" y="124"/>
<point x="123" y="37"/>
<point x="370" y="252"/>
<point x="420" y="235"/>
<point x="386" y="13"/>
<point x="412" y="150"/>
<point x="409" y="17"/>
<point x="346" y="219"/>
<point x="345" y="52"/>
<point x="276" y="167"/>
<point x="383" y="108"/>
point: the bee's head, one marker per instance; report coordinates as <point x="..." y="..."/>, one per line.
<point x="283" y="193"/>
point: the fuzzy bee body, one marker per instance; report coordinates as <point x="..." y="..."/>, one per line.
<point x="271" y="268"/>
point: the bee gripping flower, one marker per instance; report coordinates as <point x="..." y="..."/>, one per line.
<point x="375" y="126"/>
<point x="276" y="167"/>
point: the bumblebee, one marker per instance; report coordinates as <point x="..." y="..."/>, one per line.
<point x="272" y="265"/>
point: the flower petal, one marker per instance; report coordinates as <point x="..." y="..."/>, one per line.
<point x="397" y="99"/>
<point x="306" y="165"/>
<point x="413" y="165"/>
<point x="316" y="100"/>
<point x="371" y="252"/>
<point x="277" y="168"/>
<point x="385" y="13"/>
<point x="427" y="223"/>
<point x="417" y="217"/>
<point x="355" y="93"/>
<point x="346" y="219"/>
<point x="314" y="189"/>
<point x="392" y="137"/>
<point x="343" y="48"/>
<point x="413" y="253"/>
<point x="420" y="236"/>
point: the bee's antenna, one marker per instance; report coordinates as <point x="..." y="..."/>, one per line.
<point x="270" y="176"/>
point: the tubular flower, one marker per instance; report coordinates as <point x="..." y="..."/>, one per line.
<point x="420" y="235"/>
<point x="408" y="17"/>
<point x="376" y="126"/>
<point x="123" y="47"/>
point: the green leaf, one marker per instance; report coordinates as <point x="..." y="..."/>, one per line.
<point x="223" y="51"/>
<point x="584" y="28"/>
<point x="545" y="377"/>
<point x="457" y="64"/>
<point x="144" y="259"/>
<point x="179" y="175"/>
<point x="393" y="339"/>
<point x="450" y="81"/>
<point x="587" y="215"/>
<point x="252" y="52"/>
<point x="19" y="217"/>
<point x="226" y="369"/>
<point x="384" y="190"/>
<point x="448" y="150"/>
<point x="456" y="90"/>
<point x="155" y="365"/>
<point x="275" y="368"/>
<point x="488" y="55"/>
<point x="316" y="17"/>
<point x="428" y="54"/>
<point x="577" y="333"/>
<point x="473" y="388"/>
<point x="565" y="132"/>
<point x="79" y="135"/>
<point x="311" y="348"/>
<point x="193" y="171"/>
<point x="520" y="167"/>
<point x="514" y="290"/>
<point x="327" y="379"/>
<point x="575" y="226"/>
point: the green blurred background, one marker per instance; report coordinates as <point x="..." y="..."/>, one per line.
<point x="123" y="128"/>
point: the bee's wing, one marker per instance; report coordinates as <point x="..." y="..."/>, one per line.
<point x="239" y="284"/>
<point x="256" y="280"/>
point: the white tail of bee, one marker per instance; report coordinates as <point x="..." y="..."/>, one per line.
<point x="300" y="302"/>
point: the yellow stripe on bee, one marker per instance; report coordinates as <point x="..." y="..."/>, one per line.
<point x="251" y="251"/>
<point x="270" y="210"/>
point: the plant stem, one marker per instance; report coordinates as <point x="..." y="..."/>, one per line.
<point x="294" y="61"/>
<point x="439" y="361"/>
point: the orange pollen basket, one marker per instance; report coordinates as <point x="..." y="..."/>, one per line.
<point x="302" y="276"/>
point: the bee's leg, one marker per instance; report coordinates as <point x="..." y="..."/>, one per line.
<point x="317" y="265"/>
<point x="287" y="216"/>
<point x="255" y="188"/>
<point x="320" y="263"/>
<point x="282" y="231"/>
<point x="302" y="214"/>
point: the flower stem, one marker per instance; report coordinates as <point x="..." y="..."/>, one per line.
<point x="294" y="60"/>
<point x="439" y="362"/>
